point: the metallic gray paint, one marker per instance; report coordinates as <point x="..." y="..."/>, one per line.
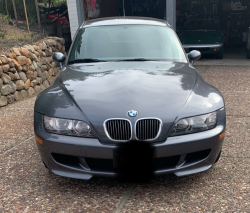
<point x="95" y="92"/>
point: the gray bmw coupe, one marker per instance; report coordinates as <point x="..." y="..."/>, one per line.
<point x="128" y="101"/>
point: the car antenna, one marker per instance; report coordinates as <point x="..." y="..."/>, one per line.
<point x="123" y="9"/>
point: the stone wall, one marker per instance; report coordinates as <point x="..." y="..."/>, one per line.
<point x="28" y="70"/>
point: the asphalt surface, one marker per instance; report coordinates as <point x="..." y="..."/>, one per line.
<point x="26" y="186"/>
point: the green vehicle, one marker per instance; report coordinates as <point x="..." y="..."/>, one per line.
<point x="203" y="35"/>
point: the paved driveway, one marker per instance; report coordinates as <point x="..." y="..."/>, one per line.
<point x="26" y="186"/>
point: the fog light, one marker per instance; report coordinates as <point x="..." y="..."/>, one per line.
<point x="215" y="49"/>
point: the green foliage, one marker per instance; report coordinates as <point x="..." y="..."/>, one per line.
<point x="3" y="20"/>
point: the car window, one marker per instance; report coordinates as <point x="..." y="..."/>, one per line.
<point x="124" y="42"/>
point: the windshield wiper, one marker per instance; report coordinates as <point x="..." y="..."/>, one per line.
<point x="85" y="60"/>
<point x="136" y="59"/>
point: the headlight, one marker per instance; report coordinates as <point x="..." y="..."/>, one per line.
<point x="67" y="127"/>
<point x="195" y="124"/>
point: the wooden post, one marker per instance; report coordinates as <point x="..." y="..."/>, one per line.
<point x="6" y="6"/>
<point x="27" y="21"/>
<point x="14" y="7"/>
<point x="38" y="15"/>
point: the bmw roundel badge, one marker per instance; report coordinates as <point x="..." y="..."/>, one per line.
<point x="132" y="113"/>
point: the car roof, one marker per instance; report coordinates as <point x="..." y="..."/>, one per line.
<point x="121" y="20"/>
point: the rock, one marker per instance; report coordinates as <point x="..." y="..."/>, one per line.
<point x="44" y="55"/>
<point x="13" y="70"/>
<point x="17" y="96"/>
<point x="45" y="61"/>
<point x="50" y="80"/>
<point x="8" y="55"/>
<point x="32" y="68"/>
<point x="37" y="54"/>
<point x="56" y="70"/>
<point x="30" y="91"/>
<point x="46" y="84"/>
<point x="33" y="57"/>
<point x="13" y="55"/>
<point x="39" y="72"/>
<point x="30" y="75"/>
<point x="1" y="71"/>
<point x="16" y="51"/>
<point x="11" y="63"/>
<point x="13" y="86"/>
<point x="20" y="85"/>
<point x="37" y="88"/>
<point x="51" y="71"/>
<point x="53" y="64"/>
<point x="42" y="87"/>
<point x="27" y="84"/>
<point x="33" y="83"/>
<point x="10" y="99"/>
<point x="3" y="101"/>
<point x="29" y="61"/>
<point x="23" y="76"/>
<point x="25" y="68"/>
<point x="39" y="80"/>
<point x="50" y="59"/>
<point x="1" y="84"/>
<point x="19" y="69"/>
<point x="4" y="59"/>
<point x="0" y="62"/>
<point x="13" y="76"/>
<point x="6" y="67"/>
<point x="44" y="68"/>
<point x="47" y="75"/>
<point x="36" y="47"/>
<point x="35" y="74"/>
<point x="22" y="60"/>
<point x="43" y="76"/>
<point x="48" y="53"/>
<point x="16" y="63"/>
<point x="40" y="52"/>
<point x="25" y="52"/>
<point x="6" y="90"/>
<point x="61" y="40"/>
<point x="24" y="93"/>
<point x="30" y="48"/>
<point x="42" y="46"/>
<point x="34" y="63"/>
<point x="6" y="79"/>
<point x="52" y="43"/>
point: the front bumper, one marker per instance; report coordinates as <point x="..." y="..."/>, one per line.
<point x="204" y="48"/>
<point x="84" y="158"/>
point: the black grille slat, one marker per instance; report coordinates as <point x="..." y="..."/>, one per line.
<point x="118" y="130"/>
<point x="147" y="129"/>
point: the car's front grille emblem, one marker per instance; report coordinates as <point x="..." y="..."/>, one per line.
<point x="146" y="129"/>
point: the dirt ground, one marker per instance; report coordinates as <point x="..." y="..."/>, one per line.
<point x="17" y="36"/>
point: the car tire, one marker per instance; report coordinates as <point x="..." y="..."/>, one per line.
<point x="220" y="54"/>
<point x="248" y="54"/>
<point x="218" y="157"/>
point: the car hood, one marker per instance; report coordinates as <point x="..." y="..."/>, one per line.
<point x="99" y="91"/>
<point x="201" y="37"/>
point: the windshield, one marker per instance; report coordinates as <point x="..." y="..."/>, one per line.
<point x="126" y="42"/>
<point x="200" y="24"/>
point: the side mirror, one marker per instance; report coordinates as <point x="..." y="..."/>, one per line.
<point x="59" y="57"/>
<point x="194" y="56"/>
